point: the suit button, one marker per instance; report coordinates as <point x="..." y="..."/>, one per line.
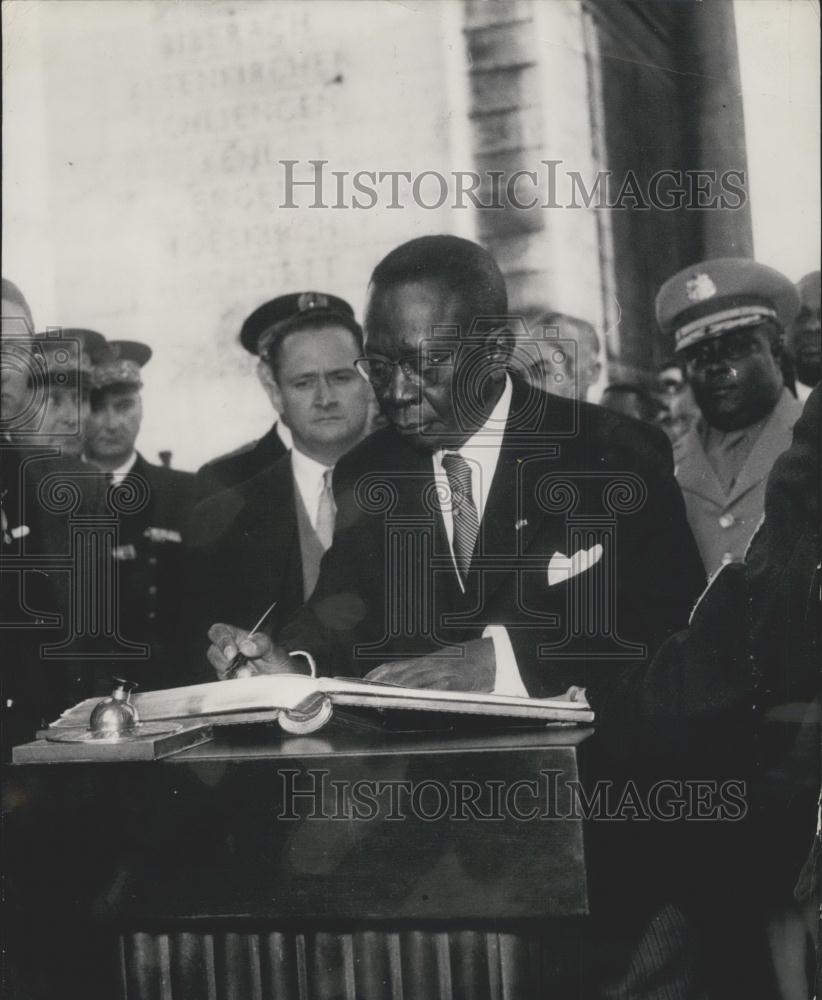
<point x="152" y="560"/>
<point x="727" y="520"/>
<point x="152" y="590"/>
<point x="151" y="615"/>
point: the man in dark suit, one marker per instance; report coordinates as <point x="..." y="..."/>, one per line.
<point x="561" y="494"/>
<point x="244" y="462"/>
<point x="493" y="537"/>
<point x="262" y="540"/>
<point x="153" y="505"/>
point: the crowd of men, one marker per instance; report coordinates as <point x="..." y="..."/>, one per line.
<point x="555" y="548"/>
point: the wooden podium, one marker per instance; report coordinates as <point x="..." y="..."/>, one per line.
<point x="349" y="864"/>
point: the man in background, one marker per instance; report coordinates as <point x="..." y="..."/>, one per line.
<point x="48" y="379"/>
<point x="728" y="317"/>
<point x="16" y="312"/>
<point x="804" y="337"/>
<point x="18" y="715"/>
<point x="631" y="400"/>
<point x="64" y="362"/>
<point x="246" y="461"/>
<point x="153" y="505"/>
<point x="567" y="362"/>
<point x="678" y="411"/>
<point x="263" y="540"/>
<point x="17" y="329"/>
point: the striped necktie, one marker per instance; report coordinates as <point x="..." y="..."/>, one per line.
<point x="463" y="511"/>
<point x="326" y="512"/>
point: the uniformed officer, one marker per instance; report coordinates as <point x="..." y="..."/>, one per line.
<point x="45" y="491"/>
<point x="155" y="503"/>
<point x="62" y="373"/>
<point x="729" y="317"/>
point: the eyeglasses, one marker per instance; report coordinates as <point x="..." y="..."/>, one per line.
<point x="730" y="347"/>
<point x="425" y="368"/>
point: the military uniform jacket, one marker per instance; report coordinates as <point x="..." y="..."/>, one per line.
<point x="150" y="556"/>
<point x="237" y="466"/>
<point x="45" y="498"/>
<point x="723" y="523"/>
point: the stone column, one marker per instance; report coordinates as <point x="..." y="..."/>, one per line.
<point x="712" y="95"/>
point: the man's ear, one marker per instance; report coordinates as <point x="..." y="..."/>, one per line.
<point x="269" y="383"/>
<point x="594" y="371"/>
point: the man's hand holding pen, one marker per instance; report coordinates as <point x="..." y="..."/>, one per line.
<point x="259" y="654"/>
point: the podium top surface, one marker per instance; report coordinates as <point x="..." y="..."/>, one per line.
<point x="237" y="743"/>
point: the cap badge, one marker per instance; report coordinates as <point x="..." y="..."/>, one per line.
<point x="311" y="300"/>
<point x="699" y="288"/>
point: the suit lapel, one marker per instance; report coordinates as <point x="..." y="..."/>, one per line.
<point x="269" y="517"/>
<point x="412" y="476"/>
<point x="513" y="517"/>
<point x="133" y="524"/>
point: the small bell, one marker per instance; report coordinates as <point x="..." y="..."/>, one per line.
<point x="115" y="717"/>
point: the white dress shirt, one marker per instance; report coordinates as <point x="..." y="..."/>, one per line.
<point x="481" y="452"/>
<point x="284" y="434"/>
<point x="120" y="473"/>
<point x="308" y="475"/>
<point x="803" y="391"/>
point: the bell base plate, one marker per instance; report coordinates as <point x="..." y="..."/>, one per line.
<point x="140" y="732"/>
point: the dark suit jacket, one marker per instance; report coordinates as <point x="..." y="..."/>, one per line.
<point x="245" y="554"/>
<point x="736" y="697"/>
<point x="569" y="476"/>
<point x="241" y="464"/>
<point x="735" y="693"/>
<point x="151" y="561"/>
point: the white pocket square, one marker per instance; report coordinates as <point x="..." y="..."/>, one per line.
<point x="562" y="567"/>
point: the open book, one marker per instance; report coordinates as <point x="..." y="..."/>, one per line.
<point x="303" y="704"/>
